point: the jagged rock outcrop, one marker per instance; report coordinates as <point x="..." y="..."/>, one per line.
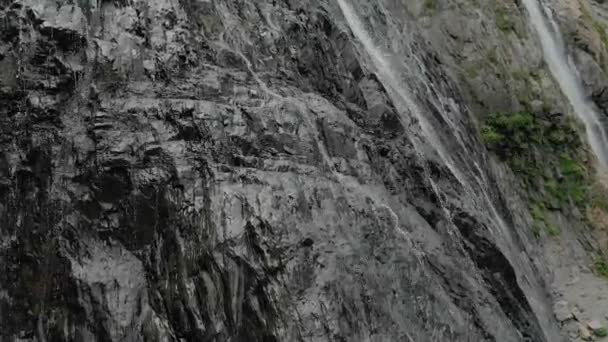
<point x="193" y="170"/>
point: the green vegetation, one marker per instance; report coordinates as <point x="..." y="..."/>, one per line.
<point x="520" y="75"/>
<point x="599" y="199"/>
<point x="491" y="137"/>
<point x="601" y="267"/>
<point x="431" y="5"/>
<point x="472" y="71"/>
<point x="541" y="222"/>
<point x="587" y="20"/>
<point x="587" y="17"/>
<point x="601" y="31"/>
<point x="545" y="151"/>
<point x="492" y="56"/>
<point x="601" y="332"/>
<point x="511" y="135"/>
<point x="503" y="20"/>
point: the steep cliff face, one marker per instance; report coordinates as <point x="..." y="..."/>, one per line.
<point x="183" y="170"/>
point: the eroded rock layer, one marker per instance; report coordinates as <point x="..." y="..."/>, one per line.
<point x="228" y="170"/>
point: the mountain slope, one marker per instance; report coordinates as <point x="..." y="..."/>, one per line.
<point x="182" y="170"/>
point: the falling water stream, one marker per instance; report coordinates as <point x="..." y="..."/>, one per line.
<point x="566" y="76"/>
<point x="557" y="60"/>
<point x="476" y="187"/>
<point x="388" y="72"/>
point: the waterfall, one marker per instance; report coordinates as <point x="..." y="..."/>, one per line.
<point x="386" y="72"/>
<point x="390" y="71"/>
<point x="564" y="72"/>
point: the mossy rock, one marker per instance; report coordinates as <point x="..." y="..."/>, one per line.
<point x="546" y="152"/>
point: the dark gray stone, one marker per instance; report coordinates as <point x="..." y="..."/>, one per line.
<point x="237" y="171"/>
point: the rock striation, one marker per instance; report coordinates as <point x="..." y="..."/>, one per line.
<point x="228" y="170"/>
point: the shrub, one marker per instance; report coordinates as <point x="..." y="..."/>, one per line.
<point x="508" y="134"/>
<point x="572" y="169"/>
<point x="430" y="5"/>
<point x="601" y="267"/>
<point x="601" y="332"/>
<point x="597" y="210"/>
<point x="546" y="153"/>
<point x="503" y="21"/>
<point x="490" y="137"/>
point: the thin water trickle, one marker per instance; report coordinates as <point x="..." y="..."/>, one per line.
<point x="475" y="187"/>
<point x="399" y="93"/>
<point x="386" y="72"/>
<point x="566" y="76"/>
<point x="477" y="192"/>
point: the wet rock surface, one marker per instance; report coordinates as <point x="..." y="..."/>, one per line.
<point x="180" y="170"/>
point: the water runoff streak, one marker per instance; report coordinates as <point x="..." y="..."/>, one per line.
<point x="387" y="70"/>
<point x="564" y="72"/>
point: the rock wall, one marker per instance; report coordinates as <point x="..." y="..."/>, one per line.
<point x="228" y="170"/>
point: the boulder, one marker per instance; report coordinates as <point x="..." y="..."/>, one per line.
<point x="562" y="311"/>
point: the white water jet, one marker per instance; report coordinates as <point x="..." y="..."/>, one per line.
<point x="390" y="73"/>
<point x="556" y="58"/>
<point x="386" y="72"/>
